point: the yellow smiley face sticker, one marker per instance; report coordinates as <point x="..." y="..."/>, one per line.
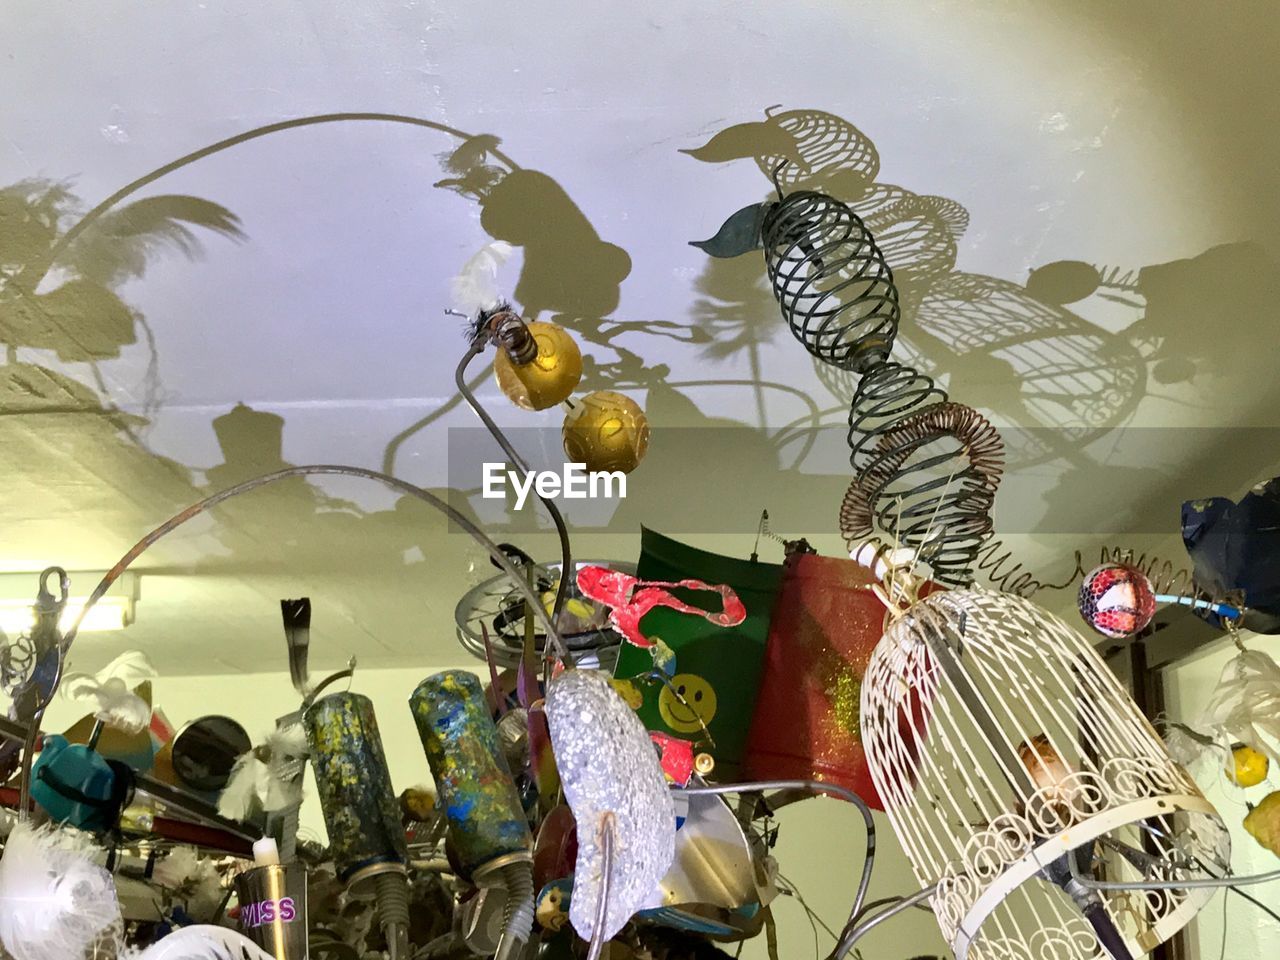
<point x="687" y="703"/>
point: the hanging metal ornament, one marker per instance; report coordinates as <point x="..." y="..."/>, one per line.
<point x="831" y="281"/>
<point x="925" y="469"/>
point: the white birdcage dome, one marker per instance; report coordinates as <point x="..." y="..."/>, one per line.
<point x="998" y="740"/>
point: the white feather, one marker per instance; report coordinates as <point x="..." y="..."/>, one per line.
<point x="193" y="878"/>
<point x="276" y="784"/>
<point x="1245" y="705"/>
<point x="201" y="942"/>
<point x="55" y="901"/>
<point x="248" y="781"/>
<point x="288" y="743"/>
<point x="111" y="691"/>
<point x="476" y="287"/>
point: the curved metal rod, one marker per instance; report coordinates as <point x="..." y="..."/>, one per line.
<point x="324" y="469"/>
<point x="562" y="531"/>
<point x="1191" y="883"/>
<point x="886" y="901"/>
<point x="76" y="229"/>
<point x="851" y="936"/>
<point x="815" y="786"/>
<point x="602" y="905"/>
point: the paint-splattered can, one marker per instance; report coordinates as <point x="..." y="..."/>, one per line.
<point x="479" y="798"/>
<point x="360" y="811"/>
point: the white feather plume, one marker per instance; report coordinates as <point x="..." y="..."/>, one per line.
<point x="111" y="691"/>
<point x="476" y="287"/>
<point x="192" y="877"/>
<point x="1245" y="705"/>
<point x="275" y="784"/>
<point x="288" y="756"/>
<point x="248" y="778"/>
<point x="55" y="901"/>
<point x="201" y="942"/>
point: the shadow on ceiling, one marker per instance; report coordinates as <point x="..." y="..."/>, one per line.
<point x="1016" y="351"/>
<point x="1064" y="387"/>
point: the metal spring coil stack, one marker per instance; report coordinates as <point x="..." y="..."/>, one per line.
<point x="925" y="469"/>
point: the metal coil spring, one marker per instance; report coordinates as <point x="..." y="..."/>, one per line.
<point x="928" y="478"/>
<point x="505" y="329"/>
<point x="995" y="562"/>
<point x="17" y="663"/>
<point x="832" y="282"/>
<point x="888" y="394"/>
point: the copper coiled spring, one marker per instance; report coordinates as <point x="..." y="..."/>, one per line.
<point x="832" y="282"/>
<point x="928" y="476"/>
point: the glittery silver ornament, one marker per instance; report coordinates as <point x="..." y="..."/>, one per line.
<point x="607" y="765"/>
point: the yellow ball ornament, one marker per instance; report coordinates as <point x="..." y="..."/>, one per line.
<point x="1250" y="766"/>
<point x="1263" y="822"/>
<point x="547" y="379"/>
<point x="606" y="431"/>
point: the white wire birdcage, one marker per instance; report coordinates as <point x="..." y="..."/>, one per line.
<point x="999" y="740"/>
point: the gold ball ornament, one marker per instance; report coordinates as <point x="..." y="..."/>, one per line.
<point x="606" y="431"/>
<point x="547" y="379"/>
<point x="1249" y="766"/>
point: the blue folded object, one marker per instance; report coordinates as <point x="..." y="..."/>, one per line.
<point x="1235" y="548"/>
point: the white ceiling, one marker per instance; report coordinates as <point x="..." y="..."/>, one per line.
<point x="1125" y="135"/>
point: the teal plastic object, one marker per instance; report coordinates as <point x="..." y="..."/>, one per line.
<point x="75" y="784"/>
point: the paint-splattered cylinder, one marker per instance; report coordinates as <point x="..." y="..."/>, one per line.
<point x="360" y="811"/>
<point x="486" y="820"/>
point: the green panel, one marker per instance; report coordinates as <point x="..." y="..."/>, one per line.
<point x="728" y="659"/>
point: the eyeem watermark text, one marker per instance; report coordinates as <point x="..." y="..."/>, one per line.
<point x="575" y="482"/>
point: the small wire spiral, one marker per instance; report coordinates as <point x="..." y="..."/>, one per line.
<point x="1168" y="581"/>
<point x="17" y="663"/>
<point x="832" y="282"/>
<point x="995" y="561"/>
<point x="505" y="329"/>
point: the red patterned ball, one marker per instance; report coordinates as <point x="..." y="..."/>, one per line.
<point x="1117" y="600"/>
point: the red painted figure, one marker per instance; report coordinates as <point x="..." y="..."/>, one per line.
<point x="630" y="599"/>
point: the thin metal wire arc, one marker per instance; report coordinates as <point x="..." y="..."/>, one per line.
<point x="254" y="483"/>
<point x="817" y="787"/>
<point x="850" y="937"/>
<point x="79" y="227"/>
<point x="562" y="530"/>
<point x="1190" y="883"/>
